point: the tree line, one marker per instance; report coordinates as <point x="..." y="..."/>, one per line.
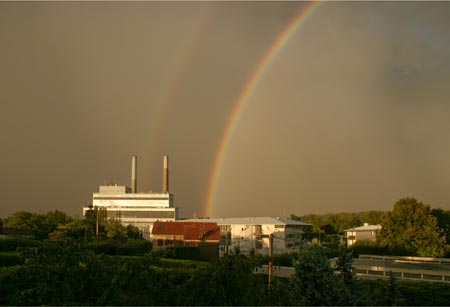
<point x="412" y="228"/>
<point x="57" y="224"/>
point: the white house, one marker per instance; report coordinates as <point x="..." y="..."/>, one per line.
<point x="365" y="232"/>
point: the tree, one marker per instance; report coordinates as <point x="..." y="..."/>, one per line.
<point x="443" y="219"/>
<point x="314" y="282"/>
<point x="94" y="215"/>
<point x="20" y="220"/>
<point x="230" y="281"/>
<point x="78" y="230"/>
<point x="44" y="225"/>
<point x="411" y="228"/>
<point x="344" y="266"/>
<point x="114" y="230"/>
<point x="133" y="232"/>
<point x="40" y="224"/>
<point x="393" y="295"/>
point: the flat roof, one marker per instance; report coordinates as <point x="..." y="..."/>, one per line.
<point x="250" y="221"/>
<point x="365" y="228"/>
<point x="152" y="196"/>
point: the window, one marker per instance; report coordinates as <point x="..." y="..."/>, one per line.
<point x="160" y="242"/>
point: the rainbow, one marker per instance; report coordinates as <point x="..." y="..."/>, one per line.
<point x="243" y="98"/>
<point x="178" y="68"/>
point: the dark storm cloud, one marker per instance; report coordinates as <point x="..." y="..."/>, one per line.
<point x="352" y="114"/>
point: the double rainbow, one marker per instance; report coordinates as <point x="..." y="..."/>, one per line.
<point x="243" y="98"/>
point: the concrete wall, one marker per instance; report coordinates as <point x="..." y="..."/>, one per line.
<point x="354" y="236"/>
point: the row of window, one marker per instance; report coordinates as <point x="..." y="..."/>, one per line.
<point x="140" y="214"/>
<point x="167" y="242"/>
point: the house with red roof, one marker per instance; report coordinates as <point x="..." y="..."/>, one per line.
<point x="195" y="234"/>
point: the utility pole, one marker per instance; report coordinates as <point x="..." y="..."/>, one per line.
<point x="96" y="226"/>
<point x="269" y="286"/>
<point x="226" y="242"/>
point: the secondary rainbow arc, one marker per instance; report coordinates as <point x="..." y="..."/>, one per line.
<point x="178" y="68"/>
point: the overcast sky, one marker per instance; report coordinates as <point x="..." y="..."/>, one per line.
<point x="352" y="114"/>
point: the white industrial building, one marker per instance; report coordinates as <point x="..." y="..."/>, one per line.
<point x="252" y="234"/>
<point x="139" y="209"/>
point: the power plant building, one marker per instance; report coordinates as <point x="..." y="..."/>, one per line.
<point x="139" y="209"/>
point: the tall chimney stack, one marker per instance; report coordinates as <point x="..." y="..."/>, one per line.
<point x="166" y="174"/>
<point x="133" y="174"/>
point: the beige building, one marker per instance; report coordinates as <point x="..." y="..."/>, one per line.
<point x="366" y="232"/>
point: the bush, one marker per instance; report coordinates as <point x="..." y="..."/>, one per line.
<point x="10" y="259"/>
<point x="284" y="259"/>
<point x="11" y="244"/>
<point x="134" y="247"/>
<point x="108" y="247"/>
<point x="187" y="253"/>
<point x="373" y="248"/>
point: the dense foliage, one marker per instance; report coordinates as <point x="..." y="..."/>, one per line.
<point x="324" y="225"/>
<point x="411" y="228"/>
<point x="42" y="225"/>
<point x="65" y="273"/>
<point x="67" y="264"/>
<point x="58" y="225"/>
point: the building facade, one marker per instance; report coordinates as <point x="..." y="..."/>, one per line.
<point x="139" y="209"/>
<point x="165" y="234"/>
<point x="252" y="234"/>
<point x="366" y="232"/>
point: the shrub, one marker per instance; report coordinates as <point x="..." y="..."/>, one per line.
<point x="10" y="259"/>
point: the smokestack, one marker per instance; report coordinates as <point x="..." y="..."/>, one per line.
<point x="133" y="174"/>
<point x="166" y="174"/>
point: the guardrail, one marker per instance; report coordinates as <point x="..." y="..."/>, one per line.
<point x="380" y="268"/>
<point x="407" y="258"/>
<point x="362" y="271"/>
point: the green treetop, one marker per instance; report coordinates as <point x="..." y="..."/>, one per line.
<point x="412" y="229"/>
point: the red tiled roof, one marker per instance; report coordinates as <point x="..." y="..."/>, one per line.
<point x="191" y="231"/>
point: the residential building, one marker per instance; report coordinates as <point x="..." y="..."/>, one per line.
<point x="252" y="234"/>
<point x="366" y="232"/>
<point x="204" y="235"/>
